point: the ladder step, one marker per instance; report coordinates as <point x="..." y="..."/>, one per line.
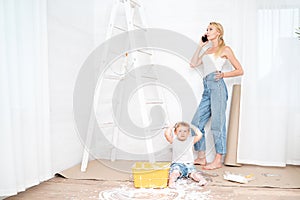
<point x="114" y="77"/>
<point x="107" y="124"/>
<point x="150" y="77"/>
<point x="106" y="100"/>
<point x="112" y="124"/>
<point x="154" y="101"/>
<point x="138" y="26"/>
<point x="124" y="29"/>
<point x="145" y="52"/>
<point x="159" y="128"/>
<point x="120" y="28"/>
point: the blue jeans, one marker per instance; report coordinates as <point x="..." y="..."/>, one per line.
<point x="184" y="169"/>
<point x="213" y="104"/>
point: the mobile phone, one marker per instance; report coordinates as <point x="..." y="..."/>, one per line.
<point x="204" y="38"/>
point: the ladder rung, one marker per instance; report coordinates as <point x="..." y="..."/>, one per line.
<point x="107" y="124"/>
<point x="105" y="100"/>
<point x="122" y="29"/>
<point x="149" y="101"/>
<point x="137" y="26"/>
<point x="114" y="52"/>
<point x="159" y="128"/>
<point x="145" y="52"/>
<point x="150" y="77"/>
<point x="113" y="77"/>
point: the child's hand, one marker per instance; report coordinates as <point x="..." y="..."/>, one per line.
<point x="168" y="134"/>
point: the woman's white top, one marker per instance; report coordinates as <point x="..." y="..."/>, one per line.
<point x="183" y="150"/>
<point x="212" y="63"/>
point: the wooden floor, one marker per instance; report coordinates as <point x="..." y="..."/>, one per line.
<point x="61" y="188"/>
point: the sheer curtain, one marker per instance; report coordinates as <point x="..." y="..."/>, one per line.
<point x="270" y="129"/>
<point x="24" y="107"/>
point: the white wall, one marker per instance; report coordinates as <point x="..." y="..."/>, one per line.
<point x="70" y="31"/>
<point x="76" y="27"/>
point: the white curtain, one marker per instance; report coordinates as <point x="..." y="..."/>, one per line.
<point x="270" y="128"/>
<point x="24" y="107"/>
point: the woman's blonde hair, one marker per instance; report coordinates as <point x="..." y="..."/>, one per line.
<point x="221" y="42"/>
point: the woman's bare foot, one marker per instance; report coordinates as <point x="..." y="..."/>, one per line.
<point x="217" y="163"/>
<point x="200" y="161"/>
<point x="212" y="166"/>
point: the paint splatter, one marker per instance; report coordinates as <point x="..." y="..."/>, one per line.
<point x="185" y="189"/>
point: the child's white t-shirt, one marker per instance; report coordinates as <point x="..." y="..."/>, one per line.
<point x="183" y="150"/>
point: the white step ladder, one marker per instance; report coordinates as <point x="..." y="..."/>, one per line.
<point x="134" y="12"/>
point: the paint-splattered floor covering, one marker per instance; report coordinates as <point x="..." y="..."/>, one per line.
<point x="60" y="188"/>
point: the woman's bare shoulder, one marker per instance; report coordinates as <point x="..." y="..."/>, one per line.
<point x="227" y="52"/>
<point x="227" y="49"/>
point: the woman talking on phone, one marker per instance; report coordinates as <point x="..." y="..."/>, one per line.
<point x="214" y="97"/>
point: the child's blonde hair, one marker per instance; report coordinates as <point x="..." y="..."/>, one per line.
<point x="178" y="124"/>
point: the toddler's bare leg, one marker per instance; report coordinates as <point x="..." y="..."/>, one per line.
<point x="198" y="178"/>
<point x="173" y="177"/>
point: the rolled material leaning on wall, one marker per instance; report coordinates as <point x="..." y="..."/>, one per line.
<point x="233" y="128"/>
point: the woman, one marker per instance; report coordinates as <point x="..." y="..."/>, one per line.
<point x="214" y="97"/>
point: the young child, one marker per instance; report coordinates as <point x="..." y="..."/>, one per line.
<point x="183" y="159"/>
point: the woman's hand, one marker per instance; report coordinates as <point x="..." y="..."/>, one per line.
<point x="219" y="75"/>
<point x="201" y="43"/>
<point x="196" y="60"/>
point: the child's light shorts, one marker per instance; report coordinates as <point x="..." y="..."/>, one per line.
<point x="184" y="168"/>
